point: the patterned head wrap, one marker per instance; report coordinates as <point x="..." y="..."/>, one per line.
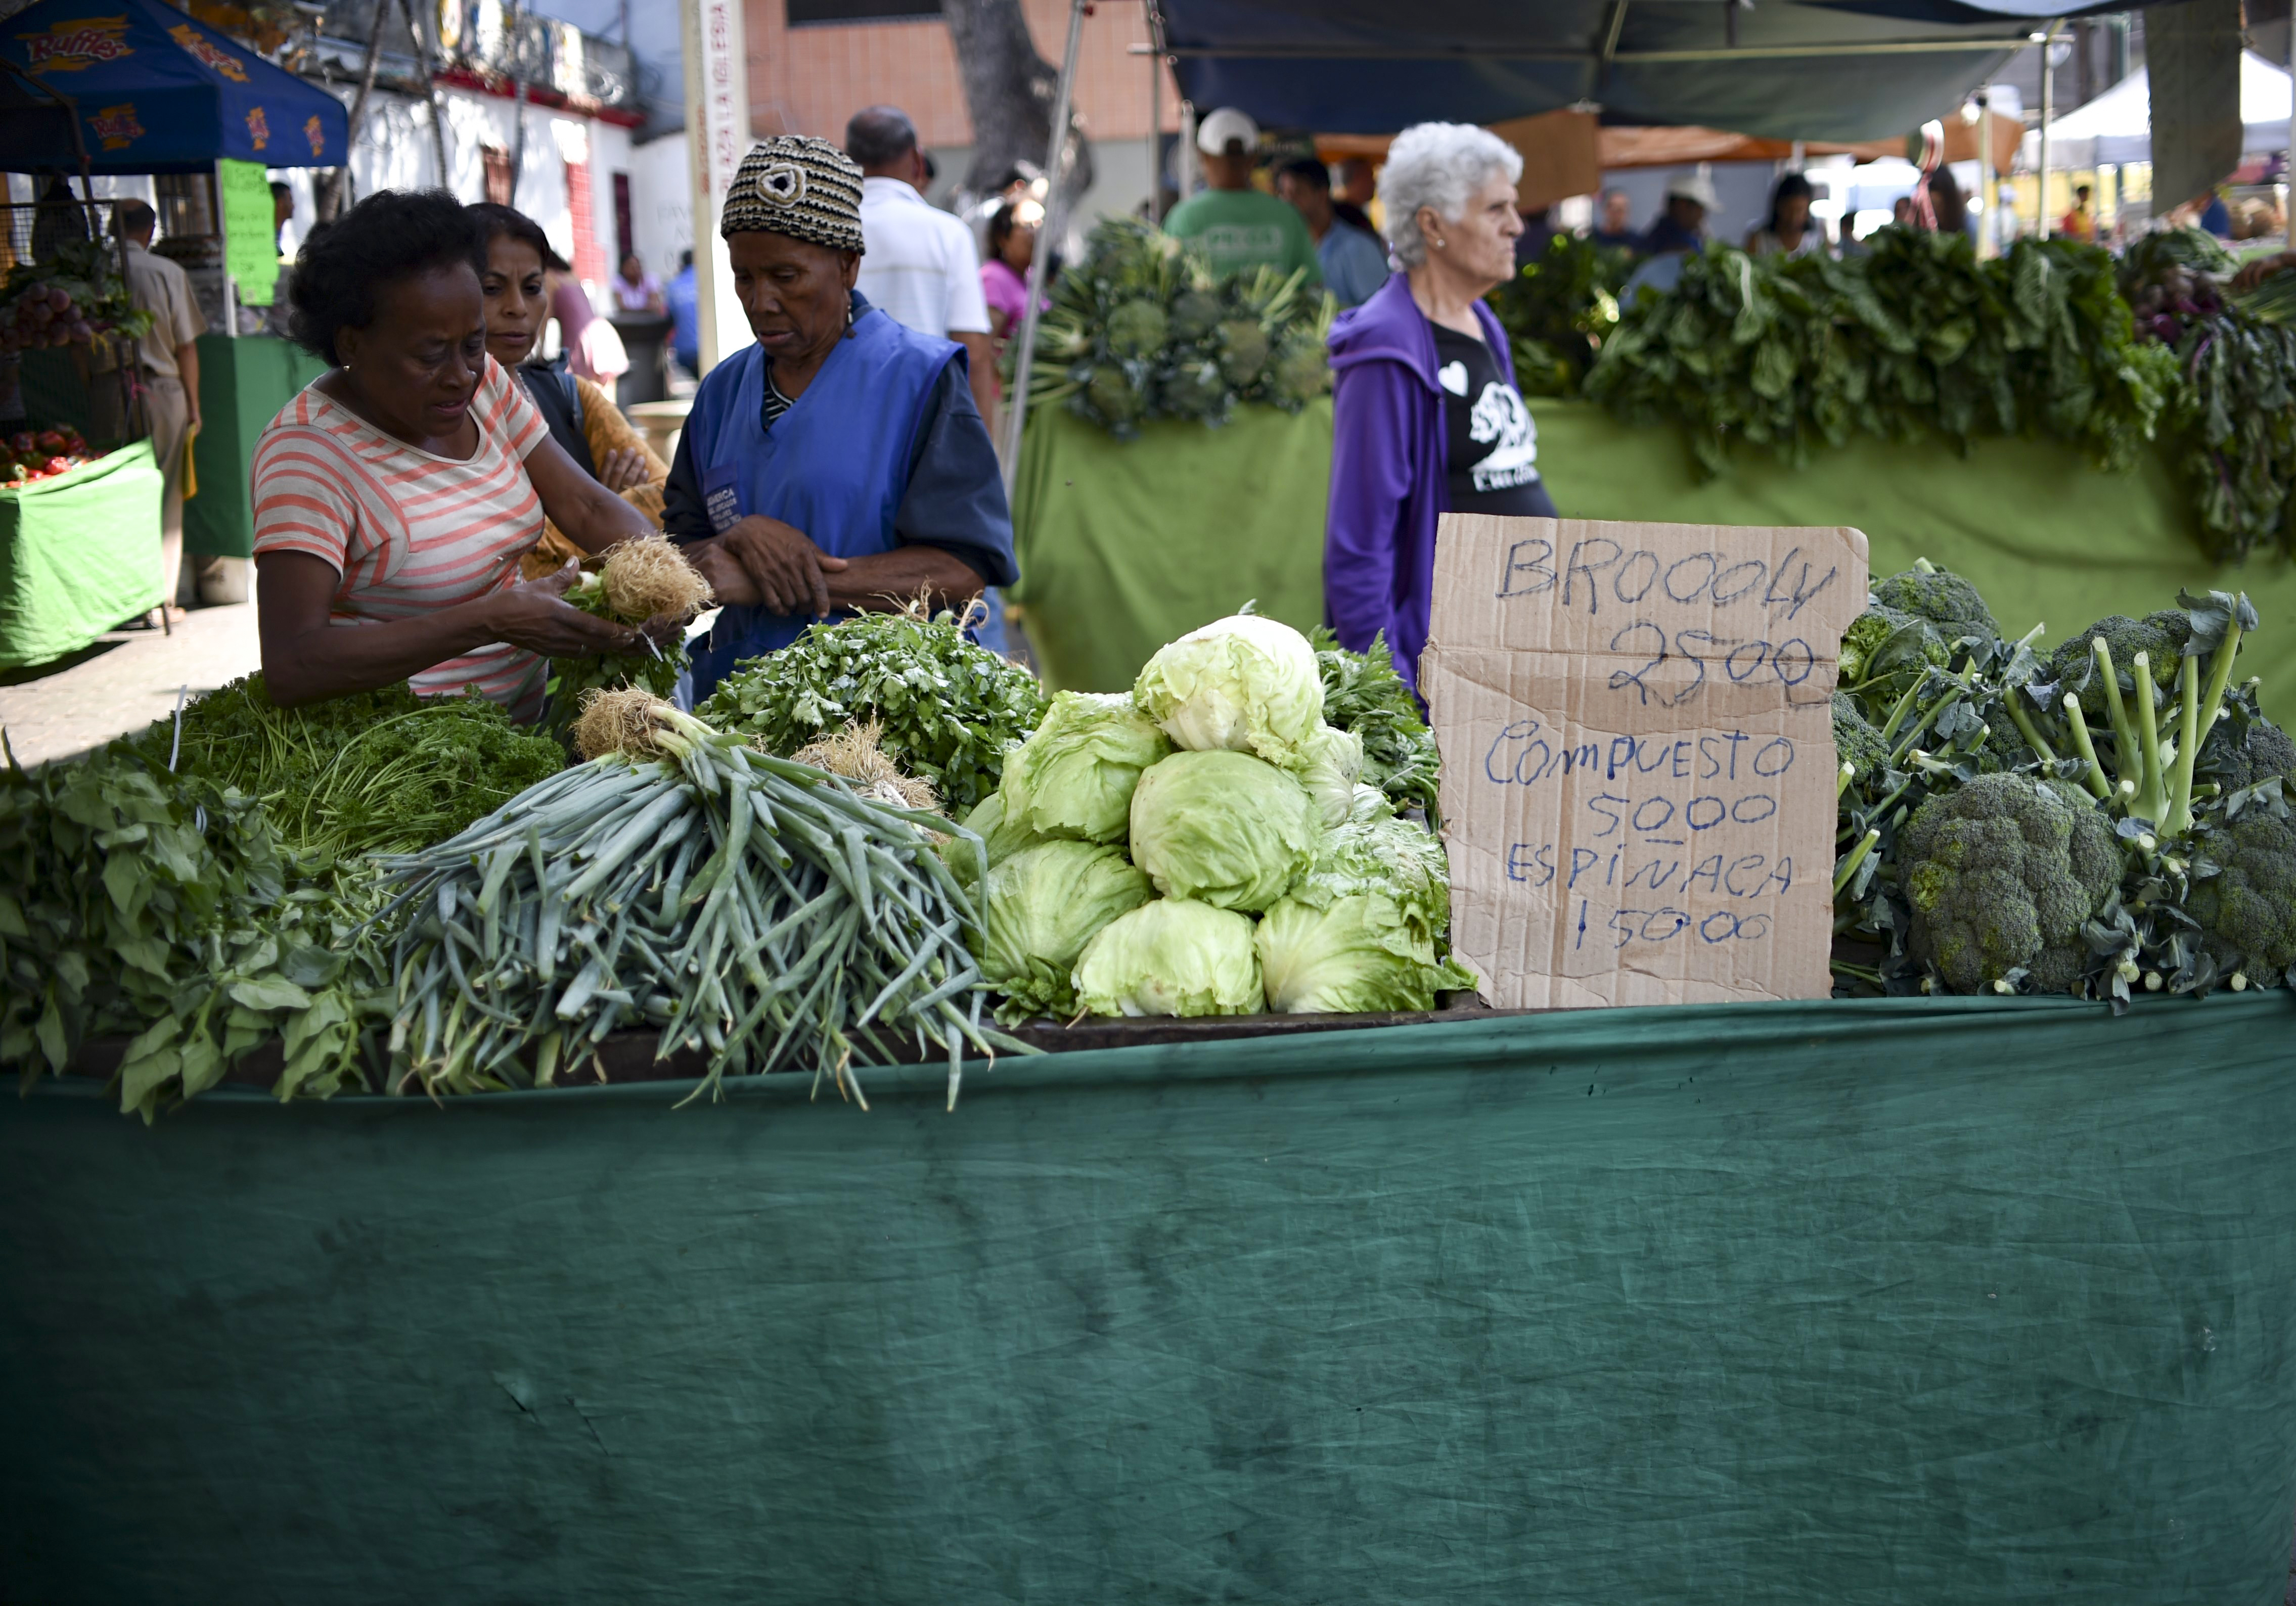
<point x="798" y="185"/>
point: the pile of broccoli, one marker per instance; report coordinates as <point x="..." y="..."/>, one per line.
<point x="2104" y="816"/>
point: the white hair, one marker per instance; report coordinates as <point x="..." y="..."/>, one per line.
<point x="1438" y="165"/>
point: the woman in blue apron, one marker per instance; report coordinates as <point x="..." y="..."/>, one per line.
<point x="838" y="465"/>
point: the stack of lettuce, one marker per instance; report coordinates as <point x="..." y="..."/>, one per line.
<point x="1203" y="847"/>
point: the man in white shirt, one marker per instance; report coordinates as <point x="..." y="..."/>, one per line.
<point x="920" y="267"/>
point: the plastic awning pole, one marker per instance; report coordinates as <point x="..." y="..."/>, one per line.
<point x="1047" y="237"/>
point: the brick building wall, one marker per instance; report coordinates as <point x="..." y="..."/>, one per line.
<point x="809" y="80"/>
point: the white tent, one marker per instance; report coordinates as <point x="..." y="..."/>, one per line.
<point x="2117" y="126"/>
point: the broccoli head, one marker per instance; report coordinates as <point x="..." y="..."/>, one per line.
<point x="2160" y="636"/>
<point x="2247" y="911"/>
<point x="2002" y="872"/>
<point x="1941" y="596"/>
<point x="1883" y="639"/>
<point x="1856" y="742"/>
<point x="2003" y="749"/>
<point x="2263" y="749"/>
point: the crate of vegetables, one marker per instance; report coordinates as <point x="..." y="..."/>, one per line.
<point x="32" y="455"/>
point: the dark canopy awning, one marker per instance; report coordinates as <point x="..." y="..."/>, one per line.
<point x="1784" y="68"/>
<point x="154" y="91"/>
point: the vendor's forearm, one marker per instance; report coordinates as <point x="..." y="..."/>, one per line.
<point x="187" y="365"/>
<point x="885" y="582"/>
<point x="604" y="520"/>
<point x="323" y="661"/>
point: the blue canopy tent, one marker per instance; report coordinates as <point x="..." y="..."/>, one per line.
<point x="1853" y="69"/>
<point x="152" y="91"/>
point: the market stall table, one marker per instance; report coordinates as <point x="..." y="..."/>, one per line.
<point x="79" y="553"/>
<point x="1951" y="1299"/>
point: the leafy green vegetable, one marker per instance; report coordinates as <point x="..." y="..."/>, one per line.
<point x="1362" y="928"/>
<point x="1351" y="957"/>
<point x="1171" y="956"/>
<point x="2003" y="875"/>
<point x="1364" y="696"/>
<point x="2247" y="910"/>
<point x="1074" y="775"/>
<point x="371" y="772"/>
<point x="1917" y="340"/>
<point x="1557" y="311"/>
<point x="1041" y="906"/>
<point x="1330" y="762"/>
<point x="569" y="678"/>
<point x="1224" y="828"/>
<point x="1941" y="596"/>
<point x="1143" y="328"/>
<point x="947" y="708"/>
<point x="1246" y="683"/>
<point x="135" y="901"/>
<point x="745" y="905"/>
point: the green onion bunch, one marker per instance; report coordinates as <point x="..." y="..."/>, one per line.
<point x="745" y="905"/>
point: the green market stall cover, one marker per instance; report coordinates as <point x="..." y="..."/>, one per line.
<point x="154" y="91"/>
<point x="78" y="554"/>
<point x="1126" y="546"/>
<point x="1843" y="1304"/>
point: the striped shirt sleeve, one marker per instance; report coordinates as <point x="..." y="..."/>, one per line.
<point x="300" y="502"/>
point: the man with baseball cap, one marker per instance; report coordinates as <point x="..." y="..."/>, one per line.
<point x="1238" y="227"/>
<point x="1679" y="230"/>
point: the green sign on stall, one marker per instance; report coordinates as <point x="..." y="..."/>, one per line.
<point x="250" y="241"/>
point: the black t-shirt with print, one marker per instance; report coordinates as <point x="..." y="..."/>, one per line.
<point x="1491" y="444"/>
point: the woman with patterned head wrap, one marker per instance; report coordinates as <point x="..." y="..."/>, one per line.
<point x="838" y="464"/>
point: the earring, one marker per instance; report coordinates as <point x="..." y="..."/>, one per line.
<point x="1438" y="245"/>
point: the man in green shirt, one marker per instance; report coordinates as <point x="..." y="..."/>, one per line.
<point x="1237" y="227"/>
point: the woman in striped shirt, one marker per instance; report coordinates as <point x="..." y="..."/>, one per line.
<point x="395" y="496"/>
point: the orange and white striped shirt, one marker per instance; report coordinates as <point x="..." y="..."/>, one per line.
<point x="409" y="532"/>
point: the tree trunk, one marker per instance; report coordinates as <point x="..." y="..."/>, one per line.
<point x="1009" y="90"/>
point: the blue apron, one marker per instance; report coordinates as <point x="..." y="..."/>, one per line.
<point x="835" y="466"/>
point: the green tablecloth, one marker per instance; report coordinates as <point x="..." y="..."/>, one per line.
<point x="1902" y="1302"/>
<point x="2047" y="538"/>
<point x="1123" y="547"/>
<point x="78" y="555"/>
<point x="242" y="385"/>
<point x="1126" y="544"/>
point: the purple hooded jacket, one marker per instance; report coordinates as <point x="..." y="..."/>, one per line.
<point x="1388" y="483"/>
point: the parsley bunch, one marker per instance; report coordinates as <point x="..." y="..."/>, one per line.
<point x="947" y="708"/>
<point x="1364" y="696"/>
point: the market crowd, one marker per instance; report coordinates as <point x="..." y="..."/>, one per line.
<point x="424" y="508"/>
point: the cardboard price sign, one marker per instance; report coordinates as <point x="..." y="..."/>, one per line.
<point x="1638" y="768"/>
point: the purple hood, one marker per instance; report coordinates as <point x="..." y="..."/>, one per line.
<point x="1387" y="481"/>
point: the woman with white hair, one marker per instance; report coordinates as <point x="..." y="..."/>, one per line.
<point x="1427" y="419"/>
